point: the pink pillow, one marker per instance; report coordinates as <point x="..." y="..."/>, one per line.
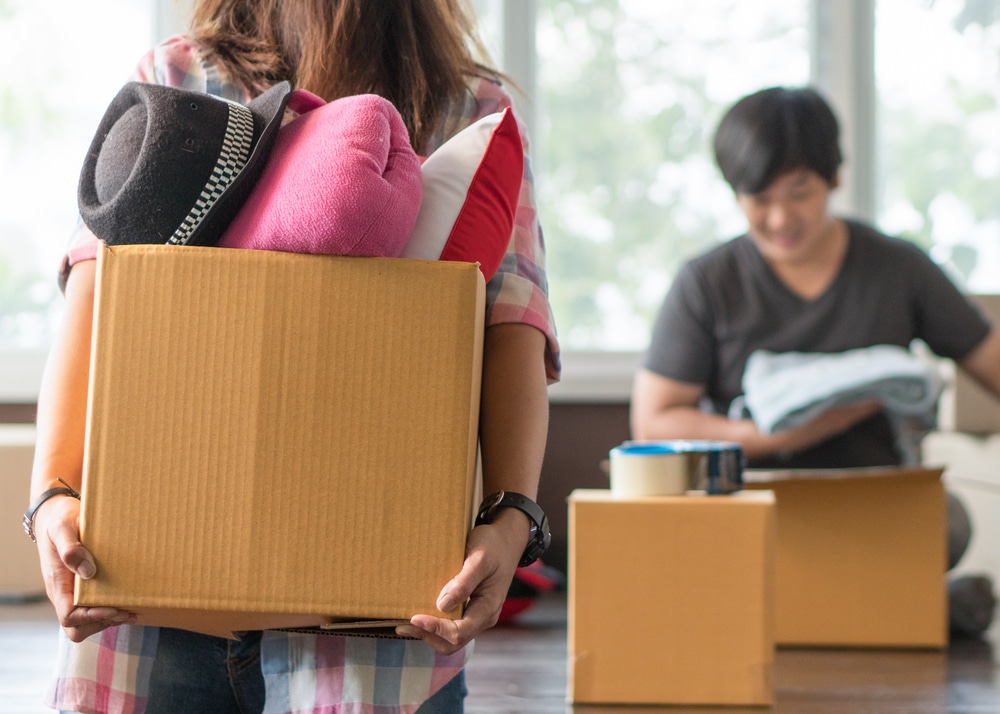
<point x="342" y="179"/>
<point x="471" y="185"/>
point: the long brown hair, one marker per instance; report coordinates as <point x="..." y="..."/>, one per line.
<point x="418" y="54"/>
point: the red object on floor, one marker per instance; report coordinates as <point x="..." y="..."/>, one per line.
<point x="529" y="582"/>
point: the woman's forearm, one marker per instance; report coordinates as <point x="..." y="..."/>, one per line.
<point x="514" y="412"/>
<point x="62" y="400"/>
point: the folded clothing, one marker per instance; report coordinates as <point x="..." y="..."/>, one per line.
<point x="784" y="390"/>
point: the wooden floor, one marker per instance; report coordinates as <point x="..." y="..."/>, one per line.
<point x="521" y="669"/>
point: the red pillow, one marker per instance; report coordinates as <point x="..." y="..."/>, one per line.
<point x="470" y="188"/>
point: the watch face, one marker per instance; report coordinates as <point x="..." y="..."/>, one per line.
<point x="539" y="539"/>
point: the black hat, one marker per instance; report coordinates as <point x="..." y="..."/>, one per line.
<point x="169" y="165"/>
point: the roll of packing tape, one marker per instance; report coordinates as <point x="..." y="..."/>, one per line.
<point x="671" y="468"/>
<point x="654" y="469"/>
<point x="718" y="466"/>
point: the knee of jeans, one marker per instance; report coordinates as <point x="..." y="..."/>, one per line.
<point x="959" y="530"/>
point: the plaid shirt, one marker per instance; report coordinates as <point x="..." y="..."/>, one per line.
<point x="311" y="674"/>
<point x="108" y="673"/>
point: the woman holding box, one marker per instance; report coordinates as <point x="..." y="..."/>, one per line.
<point x="415" y="53"/>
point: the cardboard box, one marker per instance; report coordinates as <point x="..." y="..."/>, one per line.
<point x="965" y="406"/>
<point x="861" y="556"/>
<point x="671" y="599"/>
<point x="20" y="574"/>
<point x="279" y="440"/>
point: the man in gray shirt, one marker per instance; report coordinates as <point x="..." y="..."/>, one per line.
<point x="800" y="280"/>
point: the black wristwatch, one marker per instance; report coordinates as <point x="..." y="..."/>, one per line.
<point x="539" y="537"/>
<point x="28" y="520"/>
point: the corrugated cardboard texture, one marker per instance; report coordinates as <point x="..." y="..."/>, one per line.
<point x="20" y="574"/>
<point x="861" y="557"/>
<point x="671" y="599"/>
<point x="279" y="434"/>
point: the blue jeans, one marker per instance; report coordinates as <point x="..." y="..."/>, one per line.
<point x="205" y="675"/>
<point x="199" y="674"/>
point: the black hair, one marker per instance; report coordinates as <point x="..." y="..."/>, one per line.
<point x="774" y="131"/>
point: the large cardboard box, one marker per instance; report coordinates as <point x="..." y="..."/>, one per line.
<point x="20" y="574"/>
<point x="671" y="599"/>
<point x="279" y="440"/>
<point x="861" y="556"/>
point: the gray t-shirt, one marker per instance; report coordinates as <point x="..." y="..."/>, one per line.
<point x="728" y="302"/>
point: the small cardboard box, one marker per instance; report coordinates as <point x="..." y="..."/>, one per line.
<point x="279" y="440"/>
<point x="20" y="574"/>
<point x="671" y="599"/>
<point x="861" y="556"/>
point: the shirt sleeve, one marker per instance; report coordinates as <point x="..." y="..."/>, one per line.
<point x="950" y="324"/>
<point x="682" y="345"/>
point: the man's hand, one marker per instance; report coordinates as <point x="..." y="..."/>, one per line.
<point x="827" y="425"/>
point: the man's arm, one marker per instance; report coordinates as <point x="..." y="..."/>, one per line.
<point x="983" y="364"/>
<point x="664" y="408"/>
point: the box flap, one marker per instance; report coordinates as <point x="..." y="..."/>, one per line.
<point x="694" y="498"/>
<point x="762" y="476"/>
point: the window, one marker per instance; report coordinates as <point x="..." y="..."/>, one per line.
<point x="628" y="94"/>
<point x="937" y="69"/>
<point x="621" y="100"/>
<point x="63" y="62"/>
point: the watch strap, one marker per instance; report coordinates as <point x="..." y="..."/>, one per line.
<point x="539" y="536"/>
<point x="28" y="521"/>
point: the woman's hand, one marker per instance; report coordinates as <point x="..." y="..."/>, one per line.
<point x="62" y="558"/>
<point x="61" y="425"/>
<point x="513" y="425"/>
<point x="492" y="556"/>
